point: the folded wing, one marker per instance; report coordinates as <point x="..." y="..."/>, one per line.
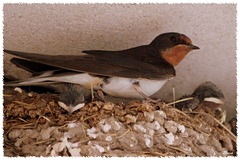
<point x="112" y="65"/>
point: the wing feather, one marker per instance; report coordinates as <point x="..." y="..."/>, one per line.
<point x="113" y="66"/>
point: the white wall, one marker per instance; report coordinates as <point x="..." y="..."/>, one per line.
<point x="68" y="29"/>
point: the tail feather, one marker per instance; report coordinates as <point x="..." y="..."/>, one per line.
<point x="32" y="67"/>
<point x="50" y="77"/>
<point x="41" y="79"/>
<point x="27" y="83"/>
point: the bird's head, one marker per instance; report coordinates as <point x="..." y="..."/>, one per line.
<point x="173" y="47"/>
<point x="71" y="100"/>
<point x="209" y="92"/>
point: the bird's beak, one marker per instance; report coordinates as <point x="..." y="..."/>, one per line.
<point x="214" y="100"/>
<point x="190" y="46"/>
<point x="75" y="108"/>
<point x="63" y="105"/>
<point x="70" y="109"/>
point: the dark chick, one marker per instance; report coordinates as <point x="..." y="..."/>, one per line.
<point x="206" y="96"/>
<point x="72" y="98"/>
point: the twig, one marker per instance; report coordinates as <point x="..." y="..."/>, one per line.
<point x="21" y="103"/>
<point x="49" y="109"/>
<point x="28" y="125"/>
<point x="157" y="153"/>
<point x="174" y="96"/>
<point x="89" y="117"/>
<point x="84" y="131"/>
<point x="7" y="95"/>
<point x="66" y="124"/>
<point x="22" y="119"/>
<point x="44" y="118"/>
<point x="178" y="101"/>
<point x="92" y="92"/>
<point x="178" y="149"/>
<point x="43" y="141"/>
<point x="124" y="133"/>
<point x="177" y="110"/>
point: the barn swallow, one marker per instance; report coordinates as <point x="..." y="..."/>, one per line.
<point x="72" y="98"/>
<point x="206" y="96"/>
<point x="137" y="72"/>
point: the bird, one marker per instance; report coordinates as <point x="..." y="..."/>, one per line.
<point x="72" y="98"/>
<point x="208" y="97"/>
<point x="138" y="72"/>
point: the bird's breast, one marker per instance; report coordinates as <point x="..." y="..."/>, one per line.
<point x="175" y="54"/>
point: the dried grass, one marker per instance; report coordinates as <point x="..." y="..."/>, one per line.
<point x="21" y="112"/>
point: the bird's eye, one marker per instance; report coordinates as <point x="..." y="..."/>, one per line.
<point x="173" y="38"/>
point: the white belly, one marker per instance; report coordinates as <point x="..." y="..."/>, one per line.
<point x="123" y="87"/>
<point x="116" y="86"/>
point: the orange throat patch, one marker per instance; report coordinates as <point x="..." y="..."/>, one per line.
<point x="175" y="54"/>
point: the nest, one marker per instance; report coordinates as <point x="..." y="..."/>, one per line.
<point x="35" y="125"/>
